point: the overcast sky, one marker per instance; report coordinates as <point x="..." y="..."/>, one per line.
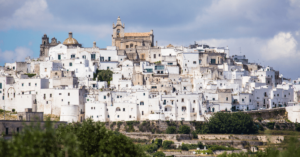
<point x="267" y="32"/>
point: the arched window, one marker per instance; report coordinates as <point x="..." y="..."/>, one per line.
<point x="118" y="32"/>
<point x="44" y="42"/>
<point x="131" y="45"/>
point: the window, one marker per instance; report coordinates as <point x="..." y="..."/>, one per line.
<point x="104" y="97"/>
<point x="83" y="57"/>
<point x="129" y="116"/>
<point x="144" y="94"/>
<point x="50" y="95"/>
<point x="127" y="46"/>
<point x="59" y="94"/>
<point x="194" y="62"/>
<point x="242" y="100"/>
<point x="226" y="98"/>
<point x="109" y="58"/>
<point x="118" y="116"/>
<point x="72" y="56"/>
<point x="182" y="100"/>
<point x="68" y="94"/>
<point x="142" y="103"/>
<point x="142" y="112"/>
<point x="165" y="102"/>
<point x="117" y="96"/>
<point x="62" y="99"/>
<point x="93" y="56"/>
<point x="0" y="85"/>
<point x="118" y="32"/>
<point x="124" y="109"/>
<point x="213" y="99"/>
<point x="59" y="57"/>
<point x="131" y="45"/>
<point x="250" y="100"/>
<point x="200" y="61"/>
<point x="70" y="64"/>
<point x="68" y="102"/>
<point x="154" y="56"/>
<point x="213" y="61"/>
<point x="102" y="59"/>
<point x="29" y="84"/>
<point x="22" y="84"/>
<point x="184" y="88"/>
<point x="107" y="116"/>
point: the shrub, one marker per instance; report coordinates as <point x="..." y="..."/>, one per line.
<point x="236" y="123"/>
<point x="159" y="154"/>
<point x="200" y="145"/>
<point x="151" y="148"/>
<point x="259" y="119"/>
<point x="167" y="144"/>
<point x="184" y="129"/>
<point x="171" y="130"/>
<point x="184" y="147"/>
<point x="195" y="136"/>
<point x="158" y="142"/>
<point x="270" y="125"/>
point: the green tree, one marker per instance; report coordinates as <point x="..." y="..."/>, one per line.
<point x="158" y="142"/>
<point x="159" y="154"/>
<point x="184" y="147"/>
<point x="171" y="130"/>
<point x="236" y="123"/>
<point x="33" y="141"/>
<point x="200" y="145"/>
<point x="167" y="144"/>
<point x="96" y="140"/>
<point x="184" y="129"/>
<point x="195" y="135"/>
<point x="103" y="75"/>
<point x="150" y="148"/>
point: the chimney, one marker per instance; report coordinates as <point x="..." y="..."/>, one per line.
<point x="156" y="43"/>
<point x="70" y="35"/>
<point x="94" y="44"/>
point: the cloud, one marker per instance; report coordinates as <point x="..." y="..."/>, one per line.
<point x="283" y="45"/>
<point x="19" y="54"/>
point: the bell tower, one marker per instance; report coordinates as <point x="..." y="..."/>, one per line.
<point x="118" y="33"/>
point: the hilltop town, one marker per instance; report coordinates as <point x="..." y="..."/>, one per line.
<point x="136" y="80"/>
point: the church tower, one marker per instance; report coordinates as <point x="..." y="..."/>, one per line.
<point x="118" y="33"/>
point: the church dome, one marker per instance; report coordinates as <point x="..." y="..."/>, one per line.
<point x="70" y="40"/>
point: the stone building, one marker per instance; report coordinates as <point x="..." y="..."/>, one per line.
<point x="131" y="40"/>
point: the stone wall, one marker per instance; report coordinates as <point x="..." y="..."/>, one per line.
<point x="278" y="113"/>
